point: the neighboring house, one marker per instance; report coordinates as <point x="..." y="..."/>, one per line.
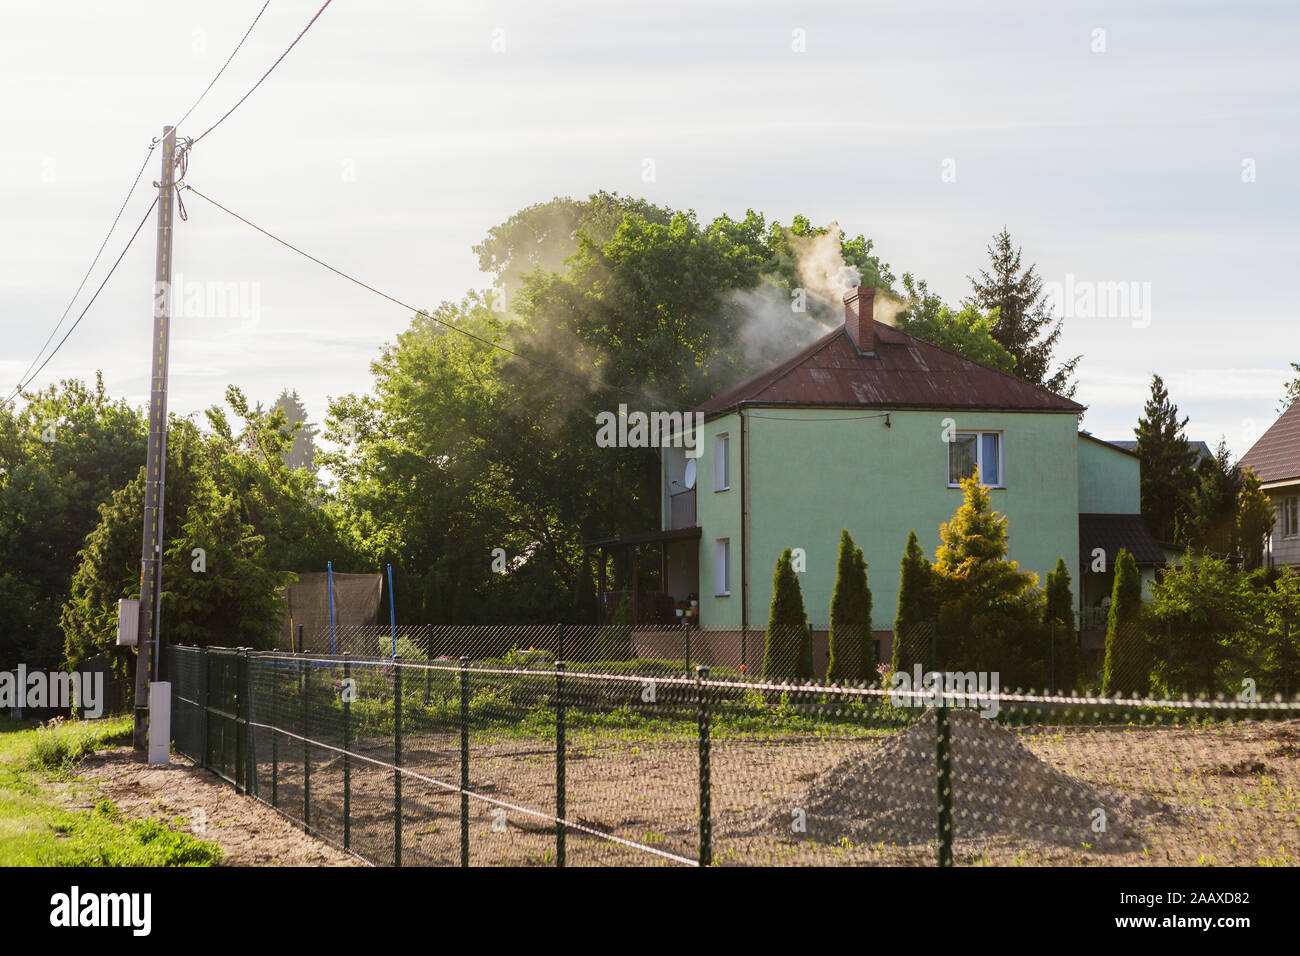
<point x="871" y="429"/>
<point x="1275" y="460"/>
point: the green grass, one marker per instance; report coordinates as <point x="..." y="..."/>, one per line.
<point x="35" y="831"/>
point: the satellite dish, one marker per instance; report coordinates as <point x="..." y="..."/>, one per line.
<point x="689" y="478"/>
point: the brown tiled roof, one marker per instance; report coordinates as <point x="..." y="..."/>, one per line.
<point x="1276" y="456"/>
<point x="905" y="372"/>
<point x="1112" y="532"/>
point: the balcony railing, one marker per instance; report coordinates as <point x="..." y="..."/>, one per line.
<point x="681" y="510"/>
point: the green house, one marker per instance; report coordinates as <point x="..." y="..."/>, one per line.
<point x="870" y="429"/>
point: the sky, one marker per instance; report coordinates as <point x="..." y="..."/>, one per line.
<point x="1145" y="147"/>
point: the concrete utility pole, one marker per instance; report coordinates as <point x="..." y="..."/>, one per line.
<point x="148" y="649"/>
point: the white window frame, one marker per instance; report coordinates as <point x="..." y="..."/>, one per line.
<point x="979" y="456"/>
<point x="722" y="462"/>
<point x="1291" y="516"/>
<point x="722" y="567"/>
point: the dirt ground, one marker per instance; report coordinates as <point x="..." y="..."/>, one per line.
<point x="185" y="796"/>
<point x="1228" y="794"/>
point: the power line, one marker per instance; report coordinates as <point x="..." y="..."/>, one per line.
<point x="455" y="328"/>
<point x="74" y="325"/>
<point x="264" y="75"/>
<point x="177" y="124"/>
<point x="93" y="262"/>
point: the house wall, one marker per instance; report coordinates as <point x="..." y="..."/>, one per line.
<point x="1109" y="480"/>
<point x="718" y="514"/>
<point x="808" y="479"/>
<point x="1286" y="551"/>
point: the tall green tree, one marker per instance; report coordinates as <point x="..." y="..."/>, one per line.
<point x="787" y="652"/>
<point x="63" y="454"/>
<point x="1066" y="658"/>
<point x="852" y="641"/>
<point x="916" y="612"/>
<point x="990" y="611"/>
<point x="1023" y="324"/>
<point x="1255" y="518"/>
<point x="302" y="451"/>
<point x="1212" y="504"/>
<point x="1203" y="603"/>
<point x="1168" y="466"/>
<point x="1128" y="663"/>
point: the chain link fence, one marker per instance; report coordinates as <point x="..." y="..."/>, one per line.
<point x="483" y="761"/>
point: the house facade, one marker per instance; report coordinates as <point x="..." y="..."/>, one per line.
<point x="1275" y="460"/>
<point x="872" y="429"/>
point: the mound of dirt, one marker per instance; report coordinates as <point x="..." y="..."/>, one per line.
<point x="888" y="794"/>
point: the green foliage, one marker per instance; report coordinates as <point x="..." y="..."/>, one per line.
<point x="968" y="332"/>
<point x="787" y="652"/>
<point x="1128" y="659"/>
<point x="230" y="494"/>
<point x="1212" y="503"/>
<point x="852" y="641"/>
<point x="991" y="613"/>
<point x="915" y="601"/>
<point x="1059" y="612"/>
<point x="62" y="456"/>
<point x="1168" y="466"/>
<point x="1022" y="323"/>
<point x="1254" y="523"/>
<point x="60" y="745"/>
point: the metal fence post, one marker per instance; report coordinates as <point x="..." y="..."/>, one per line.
<point x="943" y="753"/>
<point x="706" y="782"/>
<point x="464" y="761"/>
<point x="559" y="642"/>
<point x="304" y="689"/>
<point x="687" y="625"/>
<point x="397" y="763"/>
<point x="203" y="707"/>
<point x="347" y="751"/>
<point x="274" y="704"/>
<point x="559" y="764"/>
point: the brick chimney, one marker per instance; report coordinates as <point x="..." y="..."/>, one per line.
<point x="859" y="307"/>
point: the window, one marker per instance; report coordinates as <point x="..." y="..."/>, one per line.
<point x="969" y="450"/>
<point x="1291" y="516"/>
<point x="722" y="567"/>
<point x="721" y="463"/>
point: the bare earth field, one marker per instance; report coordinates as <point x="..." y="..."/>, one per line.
<point x="1227" y="794"/>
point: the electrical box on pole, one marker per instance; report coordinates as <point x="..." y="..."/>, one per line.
<point x="151" y="552"/>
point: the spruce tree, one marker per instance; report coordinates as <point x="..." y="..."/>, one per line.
<point x="1023" y="324"/>
<point x="1127" y="669"/>
<point x="787" y="654"/>
<point x="852" y="643"/>
<point x="914" y="607"/>
<point x="1168" y="466"/>
<point x="1212" y="506"/>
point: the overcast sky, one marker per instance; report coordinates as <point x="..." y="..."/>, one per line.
<point x="1151" y="144"/>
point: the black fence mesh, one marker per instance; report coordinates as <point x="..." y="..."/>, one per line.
<point x="514" y="759"/>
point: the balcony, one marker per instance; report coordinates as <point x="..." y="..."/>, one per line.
<point x="681" y="510"/>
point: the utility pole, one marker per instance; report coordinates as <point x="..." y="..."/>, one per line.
<point x="148" y="648"/>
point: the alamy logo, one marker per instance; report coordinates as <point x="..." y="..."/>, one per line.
<point x="74" y="908"/>
<point x="58" y="689"/>
<point x="952" y="688"/>
<point x="622" y="429"/>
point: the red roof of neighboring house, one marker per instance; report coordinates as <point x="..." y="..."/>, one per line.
<point x="904" y="372"/>
<point x="1276" y="456"/>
